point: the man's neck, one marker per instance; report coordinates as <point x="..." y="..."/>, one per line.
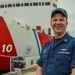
<point x="58" y="36"/>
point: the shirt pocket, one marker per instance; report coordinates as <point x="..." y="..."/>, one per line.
<point x="63" y="62"/>
<point x="63" y="56"/>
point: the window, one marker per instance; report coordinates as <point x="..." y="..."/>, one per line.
<point x="21" y="4"/>
<point x="13" y="5"/>
<point x="17" y="4"/>
<point x="42" y="3"/>
<point x="54" y="5"/>
<point x="9" y="5"/>
<point x="30" y="4"/>
<point x="35" y="4"/>
<point x="39" y="3"/>
<point x="26" y="4"/>
<point x="2" y="6"/>
<point x="31" y="62"/>
<point x="47" y="3"/>
<point x="5" y="5"/>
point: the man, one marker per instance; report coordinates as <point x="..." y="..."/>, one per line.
<point x="58" y="55"/>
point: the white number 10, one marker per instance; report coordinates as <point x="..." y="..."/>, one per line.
<point x="7" y="48"/>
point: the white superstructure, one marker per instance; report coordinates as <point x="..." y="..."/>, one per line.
<point x="30" y="12"/>
<point x="17" y="36"/>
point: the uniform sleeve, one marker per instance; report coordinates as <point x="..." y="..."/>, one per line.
<point x="73" y="57"/>
<point x="39" y="61"/>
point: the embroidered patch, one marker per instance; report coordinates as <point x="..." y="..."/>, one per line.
<point x="44" y="51"/>
<point x="63" y="49"/>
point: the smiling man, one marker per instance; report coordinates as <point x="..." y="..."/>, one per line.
<point x="59" y="55"/>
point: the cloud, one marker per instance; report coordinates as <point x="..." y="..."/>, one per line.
<point x="69" y="6"/>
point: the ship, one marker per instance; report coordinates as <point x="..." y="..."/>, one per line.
<point x="23" y="30"/>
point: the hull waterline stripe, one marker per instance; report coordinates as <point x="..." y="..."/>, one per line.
<point x="37" y="41"/>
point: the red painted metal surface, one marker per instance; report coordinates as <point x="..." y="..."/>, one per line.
<point x="7" y="48"/>
<point x="44" y="38"/>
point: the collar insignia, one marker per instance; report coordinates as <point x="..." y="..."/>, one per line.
<point x="65" y="40"/>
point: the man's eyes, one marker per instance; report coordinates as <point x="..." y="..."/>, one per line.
<point x="58" y="20"/>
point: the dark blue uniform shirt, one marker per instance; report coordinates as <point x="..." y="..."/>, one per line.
<point x="59" y="58"/>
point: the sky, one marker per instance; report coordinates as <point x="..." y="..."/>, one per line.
<point x="69" y="5"/>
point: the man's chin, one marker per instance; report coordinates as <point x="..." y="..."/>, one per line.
<point x="58" y="32"/>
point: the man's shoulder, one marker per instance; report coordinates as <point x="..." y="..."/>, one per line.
<point x="48" y="42"/>
<point x="72" y="38"/>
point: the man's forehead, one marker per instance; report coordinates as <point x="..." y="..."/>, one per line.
<point x="53" y="18"/>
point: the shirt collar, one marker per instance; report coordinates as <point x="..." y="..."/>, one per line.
<point x="65" y="38"/>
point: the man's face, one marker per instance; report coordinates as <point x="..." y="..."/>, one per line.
<point x="59" y="23"/>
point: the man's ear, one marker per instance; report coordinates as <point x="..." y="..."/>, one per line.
<point x="66" y="23"/>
